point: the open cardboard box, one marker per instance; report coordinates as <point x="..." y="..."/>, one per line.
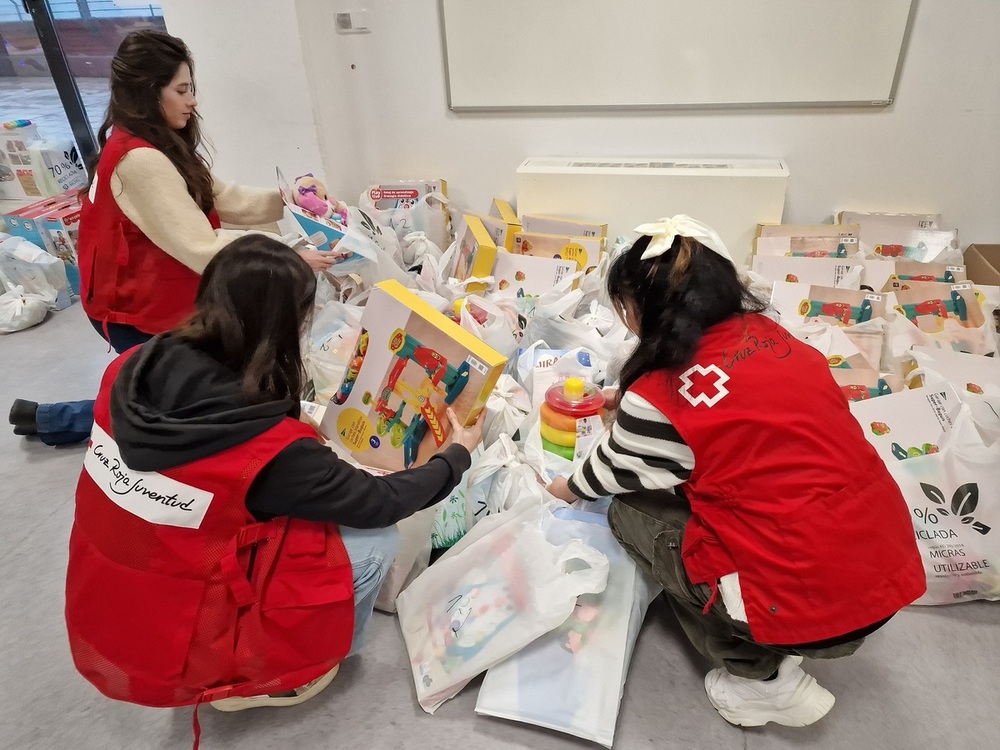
<point x="982" y="264"/>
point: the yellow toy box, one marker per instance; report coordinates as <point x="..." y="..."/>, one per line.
<point x="475" y="256"/>
<point x="409" y="365"/>
<point x="586" y="251"/>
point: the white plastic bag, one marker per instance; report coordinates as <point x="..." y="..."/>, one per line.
<point x="38" y="273"/>
<point x="506" y="409"/>
<point x="333" y="344"/>
<point x="499" y="481"/>
<point x="500" y="326"/>
<point x="489" y="596"/>
<point x="417" y="247"/>
<point x="19" y="311"/>
<point x="412" y="557"/>
<point x="975" y="378"/>
<point x="572" y="679"/>
<point x="428" y="215"/>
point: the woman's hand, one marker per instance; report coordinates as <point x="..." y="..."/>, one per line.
<point x="560" y="488"/>
<point x="318" y="260"/>
<point x="470" y="437"/>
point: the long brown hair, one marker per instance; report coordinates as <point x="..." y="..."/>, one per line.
<point x="253" y="302"/>
<point x="146" y="62"/>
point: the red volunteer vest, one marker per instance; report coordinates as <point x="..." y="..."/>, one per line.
<point x="785" y="491"/>
<point x="176" y="595"/>
<point x="124" y="277"/>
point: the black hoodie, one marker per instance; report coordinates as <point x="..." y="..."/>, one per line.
<point x="172" y="404"/>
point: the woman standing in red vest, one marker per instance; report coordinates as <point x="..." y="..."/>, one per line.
<point x="220" y="552"/>
<point x="151" y="219"/>
<point x="742" y="483"/>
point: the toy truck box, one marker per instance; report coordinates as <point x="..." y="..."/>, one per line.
<point x="409" y="365"/>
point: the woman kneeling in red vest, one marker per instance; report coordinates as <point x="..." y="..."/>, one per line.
<point x="220" y="552"/>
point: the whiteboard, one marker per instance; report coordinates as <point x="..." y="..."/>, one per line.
<point x="534" y="54"/>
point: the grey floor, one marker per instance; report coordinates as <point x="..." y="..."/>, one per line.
<point x="929" y="679"/>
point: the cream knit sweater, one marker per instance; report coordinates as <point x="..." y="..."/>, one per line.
<point x="153" y="195"/>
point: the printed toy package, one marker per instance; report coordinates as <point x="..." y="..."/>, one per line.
<point x="526" y="276"/>
<point x="586" y="251"/>
<point x="807" y="247"/>
<point x="809" y="230"/>
<point x="410" y="363"/>
<point x="476" y="254"/>
<point x="821" y="271"/>
<point x="320" y="231"/>
<point x="798" y="303"/>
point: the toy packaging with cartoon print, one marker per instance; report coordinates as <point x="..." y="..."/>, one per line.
<point x="410" y="364"/>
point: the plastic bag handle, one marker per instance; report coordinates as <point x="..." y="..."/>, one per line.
<point x="590" y="580"/>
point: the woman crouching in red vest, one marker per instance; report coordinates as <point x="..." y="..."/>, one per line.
<point x="220" y="552"/>
<point x="742" y="482"/>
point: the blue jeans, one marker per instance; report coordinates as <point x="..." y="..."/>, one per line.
<point x="371" y="552"/>
<point x="71" y="421"/>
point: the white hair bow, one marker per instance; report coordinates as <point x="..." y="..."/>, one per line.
<point x="663" y="232"/>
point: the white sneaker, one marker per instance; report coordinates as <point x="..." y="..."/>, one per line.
<point x="294" y="697"/>
<point x="793" y="698"/>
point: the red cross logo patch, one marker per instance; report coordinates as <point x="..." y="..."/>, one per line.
<point x="704" y="385"/>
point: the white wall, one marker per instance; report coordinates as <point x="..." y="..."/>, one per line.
<point x="252" y="86"/>
<point x="936" y="149"/>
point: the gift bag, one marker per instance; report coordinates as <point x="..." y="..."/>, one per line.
<point x="499" y="481"/>
<point x="954" y="499"/>
<point x="412" y="558"/>
<point x="499" y="325"/>
<point x="489" y="596"/>
<point x="572" y="679"/>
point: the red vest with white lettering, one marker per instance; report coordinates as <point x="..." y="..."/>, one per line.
<point x="176" y="595"/>
<point x="124" y="277"/>
<point x="785" y="491"/>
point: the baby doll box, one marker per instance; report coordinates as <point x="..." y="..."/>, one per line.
<point x="320" y="231"/>
<point x="410" y="363"/>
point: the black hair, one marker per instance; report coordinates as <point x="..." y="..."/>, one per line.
<point x="253" y="302"/>
<point x="674" y="299"/>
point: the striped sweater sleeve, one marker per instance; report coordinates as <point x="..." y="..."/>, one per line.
<point x="641" y="451"/>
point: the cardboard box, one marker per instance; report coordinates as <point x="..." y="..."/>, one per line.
<point x="63" y="229"/>
<point x="17" y="176"/>
<point x="320" y="231"/>
<point x="475" y="256"/>
<point x="526" y="276"/>
<point x="557" y="225"/>
<point x="808" y="230"/>
<point x="503" y="210"/>
<point x="982" y="264"/>
<point x="586" y="251"/>
<point x="414" y="362"/>
<point x="818" y="271"/>
<point x="501" y="232"/>
<point x="807" y="247"/>
<point x="29" y="221"/>
<point x="805" y="303"/>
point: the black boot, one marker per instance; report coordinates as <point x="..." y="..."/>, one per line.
<point x="22" y="416"/>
